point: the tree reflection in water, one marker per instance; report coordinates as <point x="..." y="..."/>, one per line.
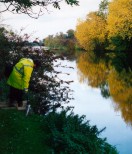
<point x="118" y="85"/>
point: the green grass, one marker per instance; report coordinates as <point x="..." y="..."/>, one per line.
<point x="20" y="134"/>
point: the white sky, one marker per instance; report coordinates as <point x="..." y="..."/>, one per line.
<point x="51" y="23"/>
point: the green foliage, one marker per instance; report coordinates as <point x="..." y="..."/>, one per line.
<point x="3" y="48"/>
<point x="54" y="133"/>
<point x="63" y="44"/>
<point x="103" y="8"/>
<point x="71" y="2"/>
<point x="119" y="61"/>
<point x="20" y="134"/>
<point x="69" y="133"/>
<point x="70" y="33"/>
<point x="4" y="90"/>
<point x="121" y="49"/>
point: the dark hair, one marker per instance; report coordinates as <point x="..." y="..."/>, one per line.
<point x="37" y="63"/>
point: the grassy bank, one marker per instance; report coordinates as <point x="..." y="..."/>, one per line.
<point x="20" y="134"/>
<point x="54" y="133"/>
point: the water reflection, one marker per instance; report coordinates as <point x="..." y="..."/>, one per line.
<point x="95" y="72"/>
<point x="112" y="83"/>
<point x="88" y="101"/>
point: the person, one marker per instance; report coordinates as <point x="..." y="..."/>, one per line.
<point x="19" y="80"/>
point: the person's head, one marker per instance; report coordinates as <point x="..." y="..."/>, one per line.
<point x="37" y="63"/>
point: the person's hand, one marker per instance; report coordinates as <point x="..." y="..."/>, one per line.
<point x="25" y="90"/>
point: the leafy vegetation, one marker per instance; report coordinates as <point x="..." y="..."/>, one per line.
<point x="54" y="133"/>
<point x="91" y="33"/>
<point x="120" y="19"/>
<point x="63" y="44"/>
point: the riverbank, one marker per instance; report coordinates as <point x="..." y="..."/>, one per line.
<point x="54" y="133"/>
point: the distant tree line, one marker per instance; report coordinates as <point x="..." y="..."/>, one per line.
<point x="64" y="43"/>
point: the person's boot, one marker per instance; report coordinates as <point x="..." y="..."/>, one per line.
<point x="20" y="106"/>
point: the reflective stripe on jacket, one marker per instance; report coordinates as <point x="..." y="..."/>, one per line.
<point x="21" y="74"/>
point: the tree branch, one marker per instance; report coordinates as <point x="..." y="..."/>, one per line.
<point x="27" y="7"/>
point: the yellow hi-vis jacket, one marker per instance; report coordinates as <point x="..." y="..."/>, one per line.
<point x="20" y="76"/>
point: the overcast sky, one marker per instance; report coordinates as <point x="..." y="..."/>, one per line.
<point x="53" y="22"/>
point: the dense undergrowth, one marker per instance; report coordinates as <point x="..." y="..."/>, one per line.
<point x="55" y="133"/>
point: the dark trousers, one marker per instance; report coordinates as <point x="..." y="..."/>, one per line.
<point x="15" y="95"/>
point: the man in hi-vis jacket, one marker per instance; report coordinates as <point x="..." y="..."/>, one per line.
<point x="19" y="80"/>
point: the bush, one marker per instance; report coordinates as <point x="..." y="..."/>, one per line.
<point x="71" y="134"/>
<point x="58" y="133"/>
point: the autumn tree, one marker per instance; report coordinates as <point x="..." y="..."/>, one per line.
<point x="91" y="33"/>
<point x="119" y="25"/>
<point x="29" y="6"/>
<point x="120" y="19"/>
<point x="120" y="33"/>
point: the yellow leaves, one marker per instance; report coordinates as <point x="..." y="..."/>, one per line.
<point x="120" y="19"/>
<point x="83" y="36"/>
<point x="94" y="30"/>
<point x="91" y="30"/>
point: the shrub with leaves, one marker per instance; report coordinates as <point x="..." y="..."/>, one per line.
<point x="70" y="133"/>
<point x="58" y="133"/>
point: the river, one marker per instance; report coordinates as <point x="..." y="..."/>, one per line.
<point x="99" y="110"/>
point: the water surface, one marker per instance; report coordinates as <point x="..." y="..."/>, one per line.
<point x="99" y="110"/>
